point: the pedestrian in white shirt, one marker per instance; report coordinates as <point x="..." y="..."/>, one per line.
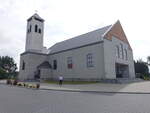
<point x="60" y="80"/>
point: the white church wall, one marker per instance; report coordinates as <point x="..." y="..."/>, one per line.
<point x="111" y="58"/>
<point x="23" y="72"/>
<point x="129" y="61"/>
<point x="131" y="65"/>
<point x="46" y="73"/>
<point x="45" y="50"/>
<point x="34" y="40"/>
<point x="80" y="69"/>
<point x="31" y="62"/>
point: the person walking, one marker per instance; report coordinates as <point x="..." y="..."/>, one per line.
<point x="60" y="80"/>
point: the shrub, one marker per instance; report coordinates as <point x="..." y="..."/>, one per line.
<point x="8" y="81"/>
<point x="3" y="74"/>
<point x="37" y="86"/>
<point x="20" y="84"/>
<point x="146" y="77"/>
<point x="15" y="82"/>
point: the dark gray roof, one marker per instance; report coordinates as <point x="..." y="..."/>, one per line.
<point x="36" y="16"/>
<point x="85" y="39"/>
<point x="45" y="64"/>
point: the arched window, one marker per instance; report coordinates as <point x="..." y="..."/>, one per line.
<point x="36" y="28"/>
<point x="30" y="28"/>
<point x="54" y="64"/>
<point x="28" y="31"/>
<point x="23" y="65"/>
<point x="40" y="31"/>
<point x="121" y="51"/>
<point x="126" y="54"/>
<point x="117" y="52"/>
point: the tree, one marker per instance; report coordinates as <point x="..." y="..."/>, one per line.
<point x="141" y="67"/>
<point x="2" y="73"/>
<point x="148" y="60"/>
<point x="7" y="66"/>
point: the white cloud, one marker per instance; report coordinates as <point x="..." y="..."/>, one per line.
<point x="67" y="18"/>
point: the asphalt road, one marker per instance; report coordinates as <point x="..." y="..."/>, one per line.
<point x="21" y="100"/>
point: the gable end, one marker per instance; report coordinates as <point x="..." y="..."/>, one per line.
<point x="118" y="32"/>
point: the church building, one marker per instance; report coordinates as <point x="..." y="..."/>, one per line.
<point x="102" y="54"/>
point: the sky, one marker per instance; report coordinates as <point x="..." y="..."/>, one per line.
<point x="65" y="19"/>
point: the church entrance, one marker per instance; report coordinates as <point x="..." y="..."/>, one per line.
<point x="37" y="74"/>
<point x="122" y="71"/>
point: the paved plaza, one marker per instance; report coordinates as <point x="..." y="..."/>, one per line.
<point x="23" y="100"/>
<point x="135" y="87"/>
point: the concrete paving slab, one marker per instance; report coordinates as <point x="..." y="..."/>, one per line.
<point x="139" y="87"/>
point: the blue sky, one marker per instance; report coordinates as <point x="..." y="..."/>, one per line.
<point x="68" y="18"/>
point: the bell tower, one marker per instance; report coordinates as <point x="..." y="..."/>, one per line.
<point x="34" y="34"/>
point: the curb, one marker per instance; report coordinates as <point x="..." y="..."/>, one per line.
<point x="87" y="91"/>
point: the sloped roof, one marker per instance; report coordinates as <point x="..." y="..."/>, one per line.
<point x="85" y="39"/>
<point x="36" y="16"/>
<point x="45" y="64"/>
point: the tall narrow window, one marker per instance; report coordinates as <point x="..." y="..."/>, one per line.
<point x="89" y="58"/>
<point x="126" y="54"/>
<point x="121" y="51"/>
<point x="117" y="52"/>
<point x="55" y="64"/>
<point x="30" y="28"/>
<point x="36" y="28"/>
<point x="40" y="31"/>
<point x="69" y="63"/>
<point x="23" y="65"/>
<point x="28" y="31"/>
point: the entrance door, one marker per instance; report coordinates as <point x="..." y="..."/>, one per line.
<point x="122" y="71"/>
<point x="37" y="74"/>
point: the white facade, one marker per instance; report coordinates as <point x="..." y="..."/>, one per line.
<point x="79" y="70"/>
<point x="111" y="58"/>
<point x="91" y="56"/>
<point x="34" y="34"/>
<point x="31" y="62"/>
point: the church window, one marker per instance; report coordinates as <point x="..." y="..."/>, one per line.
<point x="126" y="54"/>
<point x="55" y="64"/>
<point x="23" y="65"/>
<point x="40" y="31"/>
<point x="117" y="52"/>
<point x="69" y="63"/>
<point x="89" y="58"/>
<point x="30" y="28"/>
<point x="121" y="51"/>
<point x="36" y="28"/>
